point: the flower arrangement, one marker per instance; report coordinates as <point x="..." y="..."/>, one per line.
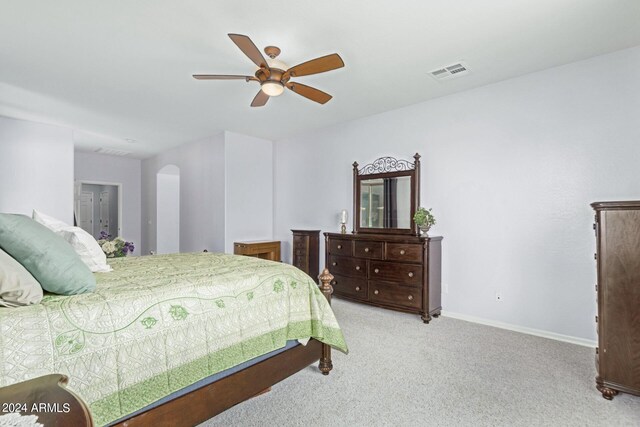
<point x="115" y="248"/>
<point x="424" y="219"/>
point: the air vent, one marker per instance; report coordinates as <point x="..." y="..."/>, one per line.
<point x="450" y="71"/>
<point x="113" y="152"/>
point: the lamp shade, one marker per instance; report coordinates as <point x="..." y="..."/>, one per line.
<point x="343" y="216"/>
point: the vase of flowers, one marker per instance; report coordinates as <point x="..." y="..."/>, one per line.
<point x="424" y="219"/>
<point x="115" y="248"/>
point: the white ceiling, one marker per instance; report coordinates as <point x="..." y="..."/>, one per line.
<point x="119" y="69"/>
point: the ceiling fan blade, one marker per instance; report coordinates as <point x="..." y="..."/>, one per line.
<point x="260" y="99"/>
<point x="248" y="48"/>
<point x="310" y="92"/>
<point x="221" y="77"/>
<point x="318" y="65"/>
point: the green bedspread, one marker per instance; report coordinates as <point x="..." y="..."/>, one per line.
<point x="159" y="323"/>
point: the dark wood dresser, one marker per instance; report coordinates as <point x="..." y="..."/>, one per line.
<point x="617" y="230"/>
<point x="306" y="251"/>
<point x="400" y="272"/>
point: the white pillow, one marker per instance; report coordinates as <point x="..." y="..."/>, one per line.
<point x="87" y="248"/>
<point x="50" y="222"/>
<point x="82" y="242"/>
<point x="17" y="286"/>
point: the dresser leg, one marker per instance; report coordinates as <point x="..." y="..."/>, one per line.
<point x="607" y="392"/>
<point x="436" y="314"/>
<point x="426" y="317"/>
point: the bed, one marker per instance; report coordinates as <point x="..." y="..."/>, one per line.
<point x="158" y="324"/>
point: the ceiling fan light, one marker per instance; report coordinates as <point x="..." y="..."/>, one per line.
<point x="272" y="88"/>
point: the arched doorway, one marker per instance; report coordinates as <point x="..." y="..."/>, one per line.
<point x="168" y="210"/>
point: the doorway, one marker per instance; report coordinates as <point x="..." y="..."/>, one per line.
<point x="168" y="210"/>
<point x="99" y="208"/>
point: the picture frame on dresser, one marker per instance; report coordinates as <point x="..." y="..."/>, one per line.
<point x="386" y="262"/>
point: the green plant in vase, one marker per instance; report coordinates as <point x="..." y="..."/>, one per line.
<point x="424" y="219"/>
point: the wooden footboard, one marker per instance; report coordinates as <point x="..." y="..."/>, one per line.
<point x="48" y="399"/>
<point x="57" y="406"/>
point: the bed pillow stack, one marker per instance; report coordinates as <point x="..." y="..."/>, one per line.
<point x="44" y="254"/>
<point x="82" y="242"/>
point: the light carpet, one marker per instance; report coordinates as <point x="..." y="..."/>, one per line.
<point x="401" y="372"/>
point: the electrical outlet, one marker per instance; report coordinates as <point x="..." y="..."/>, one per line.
<point x="445" y="288"/>
<point x="498" y="296"/>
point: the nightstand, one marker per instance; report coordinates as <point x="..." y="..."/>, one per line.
<point x="265" y="249"/>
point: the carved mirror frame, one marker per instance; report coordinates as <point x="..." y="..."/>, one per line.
<point x="387" y="167"/>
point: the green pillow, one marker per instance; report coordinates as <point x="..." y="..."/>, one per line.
<point x="47" y="256"/>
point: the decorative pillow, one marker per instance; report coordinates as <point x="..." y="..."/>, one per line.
<point x="17" y="285"/>
<point x="47" y="256"/>
<point x="87" y="248"/>
<point x="48" y="221"/>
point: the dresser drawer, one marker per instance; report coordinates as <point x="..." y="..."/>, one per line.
<point x="346" y="266"/>
<point x="301" y="261"/>
<point x="340" y="247"/>
<point x="409" y="274"/>
<point x="300" y="243"/>
<point x="349" y="286"/>
<point x="368" y="249"/>
<point x="387" y="293"/>
<point x="404" y="252"/>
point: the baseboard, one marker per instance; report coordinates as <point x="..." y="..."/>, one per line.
<point x="531" y="331"/>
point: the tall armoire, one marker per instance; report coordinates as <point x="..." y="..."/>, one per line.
<point x="617" y="229"/>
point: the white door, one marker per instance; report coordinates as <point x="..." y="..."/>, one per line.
<point x="104" y="212"/>
<point x="85" y="212"/>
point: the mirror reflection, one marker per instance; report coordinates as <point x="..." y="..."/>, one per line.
<point x="385" y="202"/>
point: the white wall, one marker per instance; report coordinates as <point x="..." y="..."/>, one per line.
<point x="36" y="169"/>
<point x="226" y="192"/>
<point x="202" y="211"/>
<point x="120" y="170"/>
<point x="168" y="210"/>
<point x="248" y="189"/>
<point x="509" y="169"/>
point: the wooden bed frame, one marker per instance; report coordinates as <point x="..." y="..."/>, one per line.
<point x="197" y="406"/>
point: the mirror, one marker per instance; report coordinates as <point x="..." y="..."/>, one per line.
<point x="385" y="196"/>
<point x="385" y="202"/>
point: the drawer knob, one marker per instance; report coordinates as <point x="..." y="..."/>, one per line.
<point x="366" y="249"/>
<point x="410" y="297"/>
<point x="333" y="282"/>
<point x="376" y="271"/>
<point x="376" y="292"/>
<point x="357" y="288"/>
<point x="358" y="267"/>
<point x="339" y="246"/>
<point x="411" y="274"/>
<point x="402" y="252"/>
<point x="334" y="263"/>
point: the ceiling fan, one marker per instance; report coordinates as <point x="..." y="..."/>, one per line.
<point x="273" y="75"/>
